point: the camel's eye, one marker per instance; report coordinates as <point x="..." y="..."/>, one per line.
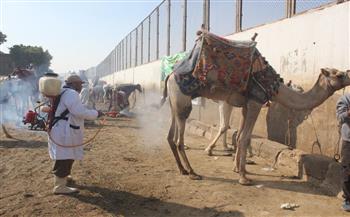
<point x="339" y="75"/>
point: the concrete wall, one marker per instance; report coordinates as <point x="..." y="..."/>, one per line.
<point x="148" y="75"/>
<point x="297" y="48"/>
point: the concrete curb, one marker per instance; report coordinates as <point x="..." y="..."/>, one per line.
<point x="318" y="169"/>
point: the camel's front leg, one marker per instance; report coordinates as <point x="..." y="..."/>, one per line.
<point x="181" y="147"/>
<point x="239" y="132"/>
<point x="253" y="110"/>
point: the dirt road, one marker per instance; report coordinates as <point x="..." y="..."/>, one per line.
<point x="130" y="171"/>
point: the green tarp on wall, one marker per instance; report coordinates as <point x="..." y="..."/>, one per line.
<point x="168" y="63"/>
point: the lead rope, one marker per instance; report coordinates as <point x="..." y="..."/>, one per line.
<point x="317" y="142"/>
<point x="84" y="143"/>
<point x="287" y="142"/>
<point x="8" y="135"/>
<point x="287" y="136"/>
<point x="336" y="155"/>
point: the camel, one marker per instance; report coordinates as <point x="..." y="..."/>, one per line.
<point x="124" y="91"/>
<point x="329" y="81"/>
<point x="225" y="111"/>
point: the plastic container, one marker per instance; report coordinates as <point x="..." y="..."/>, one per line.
<point x="50" y="86"/>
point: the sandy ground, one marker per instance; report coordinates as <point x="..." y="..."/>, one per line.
<point x="129" y="170"/>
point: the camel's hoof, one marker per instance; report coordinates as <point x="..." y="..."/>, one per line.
<point x="234" y="169"/>
<point x="184" y="172"/>
<point x="194" y="176"/>
<point x="245" y="181"/>
<point x="250" y="162"/>
<point x="208" y="152"/>
<point x="228" y="149"/>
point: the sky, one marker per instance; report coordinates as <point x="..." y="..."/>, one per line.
<point x="78" y="34"/>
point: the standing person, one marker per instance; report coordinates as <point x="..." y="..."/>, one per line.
<point x="68" y="131"/>
<point x="85" y="96"/>
<point x="343" y="115"/>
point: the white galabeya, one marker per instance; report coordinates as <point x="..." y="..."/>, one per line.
<point x="62" y="188"/>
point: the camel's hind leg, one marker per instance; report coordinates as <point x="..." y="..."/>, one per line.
<point x="225" y="114"/>
<point x="181" y="122"/>
<point x="181" y="107"/>
<point x="171" y="140"/>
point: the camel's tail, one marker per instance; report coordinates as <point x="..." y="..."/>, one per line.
<point x="165" y="91"/>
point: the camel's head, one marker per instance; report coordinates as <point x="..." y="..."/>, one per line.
<point x="139" y="88"/>
<point x="336" y="79"/>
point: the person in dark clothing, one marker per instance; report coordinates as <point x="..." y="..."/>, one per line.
<point x="121" y="94"/>
<point x="343" y="115"/>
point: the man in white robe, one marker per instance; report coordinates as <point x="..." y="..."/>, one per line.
<point x="66" y="135"/>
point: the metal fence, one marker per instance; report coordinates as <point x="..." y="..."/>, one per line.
<point x="171" y="27"/>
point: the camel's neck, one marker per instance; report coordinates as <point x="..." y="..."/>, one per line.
<point x="302" y="101"/>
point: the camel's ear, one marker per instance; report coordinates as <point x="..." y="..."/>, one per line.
<point x="325" y="71"/>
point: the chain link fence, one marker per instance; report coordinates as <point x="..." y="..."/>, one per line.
<point x="171" y="27"/>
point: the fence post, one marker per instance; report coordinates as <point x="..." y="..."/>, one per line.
<point x="206" y="9"/>
<point x="238" y="15"/>
<point x="130" y="60"/>
<point x="290" y="7"/>
<point x="122" y="55"/>
<point x="207" y="14"/>
<point x="126" y="52"/>
<point x="184" y="26"/>
<point x="119" y="57"/>
<point x="136" y="44"/>
<point x="157" y="45"/>
<point x="141" y="55"/>
<point x="168" y="29"/>
<point x="149" y="38"/>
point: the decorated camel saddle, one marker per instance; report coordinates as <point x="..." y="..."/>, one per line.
<point x="233" y="65"/>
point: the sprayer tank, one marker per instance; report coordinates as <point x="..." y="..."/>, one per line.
<point x="50" y="86"/>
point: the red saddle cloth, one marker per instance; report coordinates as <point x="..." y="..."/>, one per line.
<point x="224" y="62"/>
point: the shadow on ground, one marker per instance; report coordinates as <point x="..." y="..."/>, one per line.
<point x="128" y="204"/>
<point x="18" y="143"/>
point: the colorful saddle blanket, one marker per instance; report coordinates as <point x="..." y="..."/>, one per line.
<point x="230" y="64"/>
<point x="224" y="62"/>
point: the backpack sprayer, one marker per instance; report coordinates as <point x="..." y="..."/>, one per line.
<point x="50" y="87"/>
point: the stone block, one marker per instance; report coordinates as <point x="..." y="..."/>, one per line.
<point x="333" y="181"/>
<point x="315" y="166"/>
<point x="288" y="160"/>
<point x="266" y="149"/>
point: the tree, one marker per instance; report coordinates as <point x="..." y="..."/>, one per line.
<point x="2" y="38"/>
<point x="23" y="55"/>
